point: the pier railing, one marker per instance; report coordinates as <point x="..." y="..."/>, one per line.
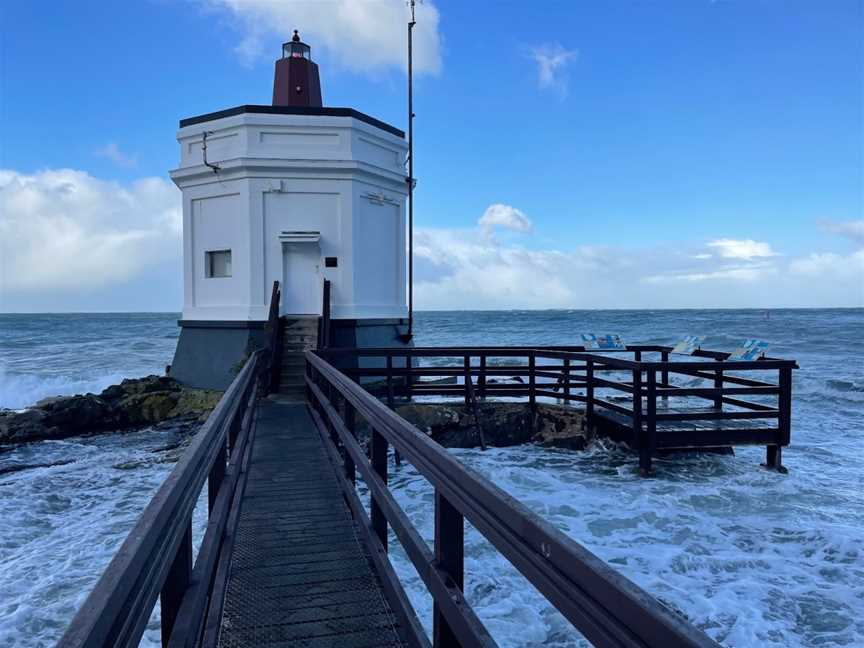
<point x="274" y="326"/>
<point x="632" y="393"/>
<point x="605" y="607"/>
<point x="155" y="560"/>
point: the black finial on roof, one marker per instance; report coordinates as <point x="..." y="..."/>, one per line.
<point x="296" y="37"/>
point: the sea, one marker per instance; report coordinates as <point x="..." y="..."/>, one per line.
<point x="752" y="557"/>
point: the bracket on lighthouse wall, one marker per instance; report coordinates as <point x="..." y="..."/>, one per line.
<point x="277" y="186"/>
<point x="379" y="198"/>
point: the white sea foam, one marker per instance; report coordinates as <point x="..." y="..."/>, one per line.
<point x="753" y="557"/>
<point x="18" y="391"/>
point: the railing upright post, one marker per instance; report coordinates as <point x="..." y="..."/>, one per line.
<point x="217" y="474"/>
<point x="379" y="465"/>
<point x="589" y="395"/>
<point x="179" y="575"/>
<point x="351" y="424"/>
<point x="481" y="380"/>
<point x="567" y="380"/>
<point x="449" y="558"/>
<point x="650" y="421"/>
<point x="466" y="363"/>
<point x="664" y="376"/>
<point x="718" y="384"/>
<point x="774" y="453"/>
<point x="639" y="432"/>
<point x="532" y="381"/>
<point x="390" y="399"/>
<point x="409" y="379"/>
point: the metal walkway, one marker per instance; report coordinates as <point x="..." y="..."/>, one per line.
<point x="299" y="574"/>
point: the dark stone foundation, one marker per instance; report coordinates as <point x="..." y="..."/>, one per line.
<point x="210" y="353"/>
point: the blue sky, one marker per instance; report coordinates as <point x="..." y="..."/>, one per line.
<point x="623" y="133"/>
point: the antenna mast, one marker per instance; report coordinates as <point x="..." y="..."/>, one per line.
<point x="410" y="178"/>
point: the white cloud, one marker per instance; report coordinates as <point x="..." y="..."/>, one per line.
<point x="112" y="152"/>
<point x="741" y="248"/>
<point x="65" y="229"/>
<point x="851" y="229"/>
<point x="503" y="216"/>
<point x="831" y="265"/>
<point x="552" y="60"/>
<point x="362" y="35"/>
<point x="467" y="269"/>
<point x="739" y="273"/>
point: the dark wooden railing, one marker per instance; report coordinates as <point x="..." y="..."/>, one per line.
<point x="605" y="607"/>
<point x="633" y="391"/>
<point x="274" y="327"/>
<point x="155" y="560"/>
<point x="324" y="320"/>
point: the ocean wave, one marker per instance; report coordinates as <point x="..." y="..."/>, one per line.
<point x="19" y="390"/>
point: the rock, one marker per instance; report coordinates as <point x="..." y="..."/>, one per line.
<point x="131" y="404"/>
<point x="504" y="424"/>
<point x="560" y="426"/>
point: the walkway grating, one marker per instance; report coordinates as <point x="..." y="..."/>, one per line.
<point x="300" y="575"/>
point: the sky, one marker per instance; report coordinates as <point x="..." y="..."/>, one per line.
<point x="663" y="154"/>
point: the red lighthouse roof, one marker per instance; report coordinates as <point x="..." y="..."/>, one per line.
<point x="295" y="81"/>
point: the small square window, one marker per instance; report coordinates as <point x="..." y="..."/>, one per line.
<point x="219" y="263"/>
<point x="331" y="262"/>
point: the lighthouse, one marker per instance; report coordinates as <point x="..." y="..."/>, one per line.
<point x="295" y="192"/>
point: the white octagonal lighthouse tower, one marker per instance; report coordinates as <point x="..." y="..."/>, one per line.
<point x="292" y="192"/>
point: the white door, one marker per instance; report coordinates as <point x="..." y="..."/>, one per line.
<point x="301" y="291"/>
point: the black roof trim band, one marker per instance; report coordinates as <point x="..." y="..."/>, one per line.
<point x="290" y="110"/>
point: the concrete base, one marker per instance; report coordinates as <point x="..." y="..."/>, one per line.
<point x="210" y="353"/>
<point x="364" y="334"/>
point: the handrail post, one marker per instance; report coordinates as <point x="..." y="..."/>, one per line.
<point x="589" y="395"/>
<point x="274" y="322"/>
<point x="176" y="583"/>
<point x="379" y="465"/>
<point x="650" y="422"/>
<point x="449" y="558"/>
<point x="718" y="384"/>
<point x="664" y="376"/>
<point x="390" y="400"/>
<point x="409" y="379"/>
<point x="217" y="474"/>
<point x="774" y="453"/>
<point x="532" y="381"/>
<point x="467" y="366"/>
<point x="351" y="424"/>
<point x="324" y="320"/>
<point x="481" y="380"/>
<point x="638" y="431"/>
<point x="567" y="380"/>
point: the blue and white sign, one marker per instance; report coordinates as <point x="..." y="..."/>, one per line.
<point x="688" y="344"/>
<point x="603" y="342"/>
<point x="751" y="349"/>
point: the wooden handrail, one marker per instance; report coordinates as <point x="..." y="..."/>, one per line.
<point x="324" y="320"/>
<point x="274" y="324"/>
<point x="606" y="607"/>
<point x="155" y="560"/>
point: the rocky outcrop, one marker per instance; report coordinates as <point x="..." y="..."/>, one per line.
<point x="133" y="403"/>
<point x="504" y="424"/>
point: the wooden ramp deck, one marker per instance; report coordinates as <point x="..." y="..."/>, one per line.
<point x="299" y="574"/>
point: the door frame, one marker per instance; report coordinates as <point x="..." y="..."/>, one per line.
<point x="305" y="241"/>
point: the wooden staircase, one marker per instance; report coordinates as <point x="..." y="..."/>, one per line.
<point x="298" y="336"/>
